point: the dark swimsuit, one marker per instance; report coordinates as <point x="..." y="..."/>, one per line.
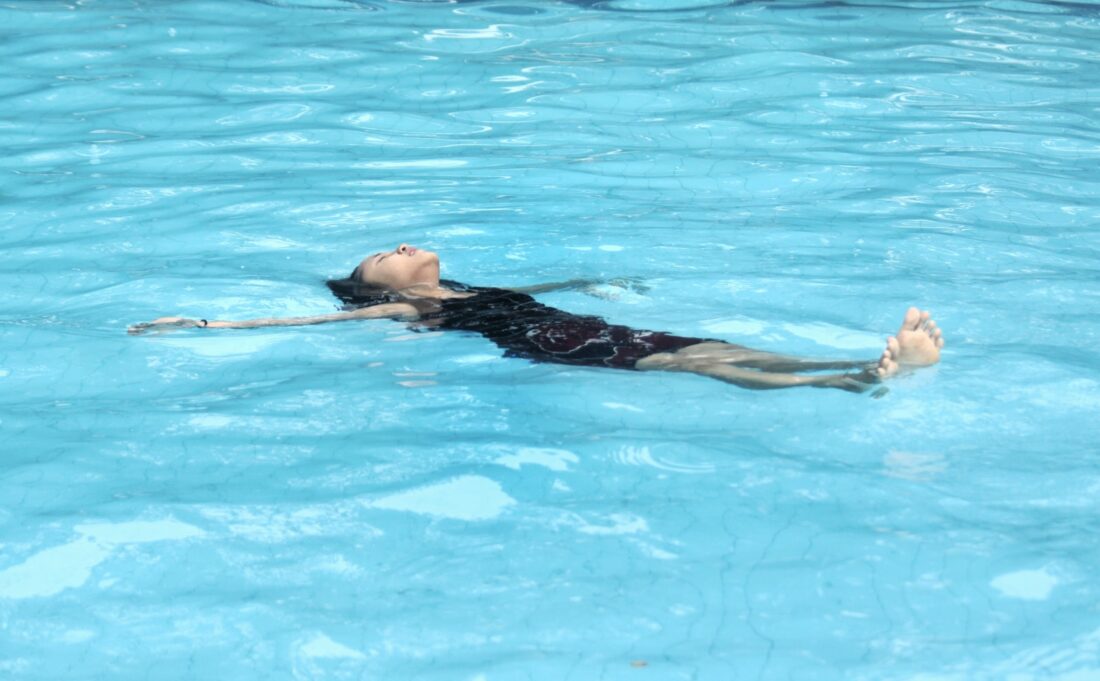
<point x="526" y="328"/>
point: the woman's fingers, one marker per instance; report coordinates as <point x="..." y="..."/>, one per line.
<point x="600" y="293"/>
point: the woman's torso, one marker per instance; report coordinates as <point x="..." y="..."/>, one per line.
<point x="524" y="327"/>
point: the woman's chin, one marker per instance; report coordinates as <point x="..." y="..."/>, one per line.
<point x="429" y="271"/>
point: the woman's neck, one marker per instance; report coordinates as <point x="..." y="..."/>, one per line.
<point x="430" y="290"/>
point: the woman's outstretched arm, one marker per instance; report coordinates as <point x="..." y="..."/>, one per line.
<point x="386" y="311"/>
<point x="553" y="286"/>
<point x="584" y="285"/>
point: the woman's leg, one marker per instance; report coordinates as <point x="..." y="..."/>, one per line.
<point x="757" y="379"/>
<point x="918" y="343"/>
<point x="738" y="355"/>
<point x="854" y="382"/>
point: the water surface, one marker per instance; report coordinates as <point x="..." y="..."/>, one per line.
<point x="359" y="501"/>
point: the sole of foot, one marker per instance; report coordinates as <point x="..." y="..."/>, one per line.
<point x="917" y="344"/>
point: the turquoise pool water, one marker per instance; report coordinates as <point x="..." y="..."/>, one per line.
<point x="360" y="502"/>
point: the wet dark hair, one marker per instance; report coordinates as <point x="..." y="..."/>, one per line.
<point x="356" y="294"/>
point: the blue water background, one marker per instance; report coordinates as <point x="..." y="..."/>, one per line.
<point x="357" y="501"/>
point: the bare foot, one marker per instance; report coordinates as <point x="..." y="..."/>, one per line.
<point x="917" y="344"/>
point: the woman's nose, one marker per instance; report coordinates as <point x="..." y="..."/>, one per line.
<point x="403" y="248"/>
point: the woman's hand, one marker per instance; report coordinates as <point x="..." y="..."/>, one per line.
<point x="166" y="324"/>
<point x="612" y="289"/>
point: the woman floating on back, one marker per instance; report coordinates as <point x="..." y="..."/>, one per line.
<point x="404" y="284"/>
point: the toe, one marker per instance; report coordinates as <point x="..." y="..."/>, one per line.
<point x="886" y="369"/>
<point x="892" y="346"/>
<point x="912" y="319"/>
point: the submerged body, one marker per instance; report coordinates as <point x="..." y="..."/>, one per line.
<point x="526" y="328"/>
<point x="404" y="284"/>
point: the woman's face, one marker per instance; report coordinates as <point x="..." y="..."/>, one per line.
<point x="400" y="268"/>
